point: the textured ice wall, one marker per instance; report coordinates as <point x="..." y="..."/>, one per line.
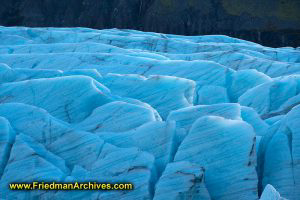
<point x="204" y="117"/>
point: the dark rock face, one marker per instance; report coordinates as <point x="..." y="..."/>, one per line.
<point x="270" y="22"/>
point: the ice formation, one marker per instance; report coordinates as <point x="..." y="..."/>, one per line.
<point x="202" y="117"/>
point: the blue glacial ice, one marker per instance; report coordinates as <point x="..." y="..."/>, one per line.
<point x="182" y="180"/>
<point x="270" y="193"/>
<point x="279" y="155"/>
<point x="180" y="117"/>
<point x="163" y="93"/>
<point x="230" y="173"/>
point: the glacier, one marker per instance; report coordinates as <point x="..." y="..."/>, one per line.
<point x="181" y="117"/>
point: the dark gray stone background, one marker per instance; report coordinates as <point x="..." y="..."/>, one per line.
<point x="273" y="23"/>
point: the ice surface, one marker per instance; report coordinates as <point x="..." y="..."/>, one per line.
<point x="250" y="115"/>
<point x="211" y="94"/>
<point x="180" y="117"/>
<point x="270" y="193"/>
<point x="162" y="92"/>
<point x="40" y="166"/>
<point x="244" y="80"/>
<point x="273" y="98"/>
<point x="7" y="138"/>
<point x="71" y="147"/>
<point x="64" y="97"/>
<point x="161" y="135"/>
<point x="279" y="155"/>
<point x="226" y="150"/>
<point x="182" y="180"/>
<point x="117" y="116"/>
